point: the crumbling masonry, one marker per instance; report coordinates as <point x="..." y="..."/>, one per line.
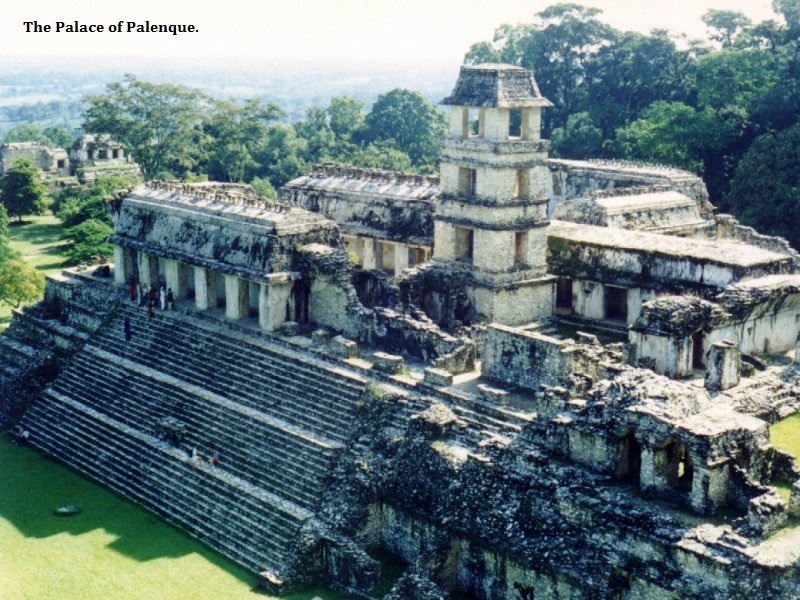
<point x="529" y="378"/>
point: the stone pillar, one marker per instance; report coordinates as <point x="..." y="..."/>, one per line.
<point x="531" y="124"/>
<point x="369" y="253"/>
<point x="175" y="274"/>
<point x="121" y="267"/>
<point x="148" y="269"/>
<point x="272" y="299"/>
<point x="205" y="288"/>
<point x="722" y="366"/>
<point x="797" y="350"/>
<point x="400" y="258"/>
<point x="237" y="297"/>
<point x="459" y="121"/>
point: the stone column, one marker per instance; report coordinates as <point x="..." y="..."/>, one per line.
<point x="205" y="288"/>
<point x="400" y="258"/>
<point x="722" y="366"/>
<point x="122" y="270"/>
<point x="369" y="253"/>
<point x="272" y="297"/>
<point x="237" y="298"/>
<point x="148" y="269"/>
<point x="175" y="274"/>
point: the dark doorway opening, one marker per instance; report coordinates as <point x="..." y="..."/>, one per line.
<point x="616" y="303"/>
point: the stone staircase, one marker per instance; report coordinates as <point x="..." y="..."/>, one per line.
<point x="275" y="417"/>
<point x="253" y="530"/>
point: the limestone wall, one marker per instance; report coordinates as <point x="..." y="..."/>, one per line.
<point x="211" y="230"/>
<point x="524" y="358"/>
<point x="368" y="202"/>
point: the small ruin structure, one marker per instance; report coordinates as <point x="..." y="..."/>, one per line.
<point x="52" y="162"/>
<point x="525" y="378"/>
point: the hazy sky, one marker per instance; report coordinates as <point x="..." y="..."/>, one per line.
<point x="338" y="30"/>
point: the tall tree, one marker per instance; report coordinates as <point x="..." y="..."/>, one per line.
<point x="236" y="131"/>
<point x="158" y="124"/>
<point x="726" y="25"/>
<point x="26" y="132"/>
<point x="22" y="191"/>
<point x="409" y="121"/>
<point x="19" y="283"/>
<point x="765" y="192"/>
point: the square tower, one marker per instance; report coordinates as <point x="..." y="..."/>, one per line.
<point x="492" y="215"/>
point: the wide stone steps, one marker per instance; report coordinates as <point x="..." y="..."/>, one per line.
<point x="254" y="530"/>
<point x="237" y="384"/>
<point x="315" y="398"/>
<point x="260" y="449"/>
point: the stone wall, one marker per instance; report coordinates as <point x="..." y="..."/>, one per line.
<point x="368" y="202"/>
<point x="524" y="358"/>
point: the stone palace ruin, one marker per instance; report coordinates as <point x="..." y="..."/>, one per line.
<point x="527" y="378"/>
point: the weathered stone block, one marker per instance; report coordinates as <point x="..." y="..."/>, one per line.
<point x="492" y="394"/>
<point x="766" y="514"/>
<point x="389" y="363"/>
<point x="341" y="346"/>
<point x="794" y="499"/>
<point x="289" y="328"/>
<point x="320" y="337"/>
<point x="438" y="377"/>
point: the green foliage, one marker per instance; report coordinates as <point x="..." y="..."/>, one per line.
<point x="3" y="222"/>
<point x="77" y="204"/>
<point x="26" y="132"/>
<point x="52" y="137"/>
<point x="19" y="283"/>
<point x="21" y="190"/>
<point x="264" y="188"/>
<point x="409" y="122"/>
<point x="56" y="137"/>
<point x="765" y="192"/>
<point x="235" y="132"/>
<point x="86" y="242"/>
<point x="346" y="116"/>
<point x="726" y="25"/>
<point x="159" y="124"/>
<point x="581" y="138"/>
<point x="660" y="136"/>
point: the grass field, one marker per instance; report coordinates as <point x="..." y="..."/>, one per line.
<point x="39" y="242"/>
<point x="785" y="435"/>
<point x="112" y="550"/>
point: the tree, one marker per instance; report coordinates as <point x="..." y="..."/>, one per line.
<point x="74" y="205"/>
<point x="726" y="25"/>
<point x="264" y="188"/>
<point x="158" y="124"/>
<point x="412" y="123"/>
<point x="235" y="132"/>
<point x="581" y="138"/>
<point x="661" y="136"/>
<point x="21" y="190"/>
<point x="19" y="283"/>
<point x="346" y="116"/>
<point x="26" y="132"/>
<point x="87" y="242"/>
<point x="56" y="137"/>
<point x="765" y="191"/>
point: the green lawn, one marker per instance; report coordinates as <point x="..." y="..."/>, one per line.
<point x="39" y="242"/>
<point x="785" y="435"/>
<point x="111" y="550"/>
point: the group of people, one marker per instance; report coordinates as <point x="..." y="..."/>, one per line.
<point x="150" y="297"/>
